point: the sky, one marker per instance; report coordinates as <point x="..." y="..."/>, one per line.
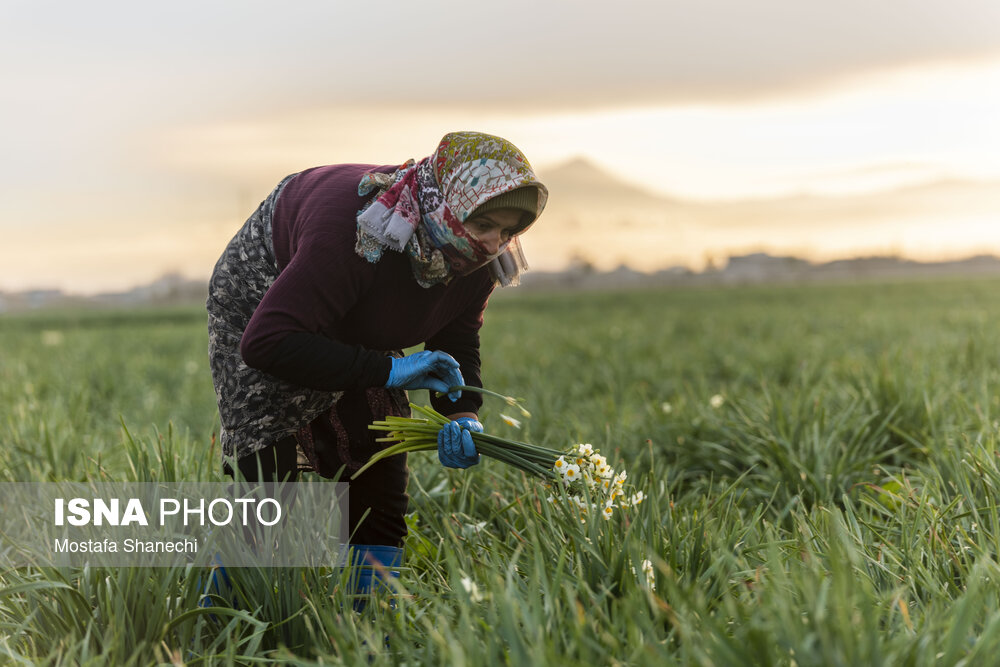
<point x="137" y="136"/>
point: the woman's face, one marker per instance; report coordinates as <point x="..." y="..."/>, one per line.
<point x="495" y="228"/>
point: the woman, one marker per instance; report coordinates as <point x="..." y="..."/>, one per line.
<point x="337" y="271"/>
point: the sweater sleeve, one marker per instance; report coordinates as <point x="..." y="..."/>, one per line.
<point x="317" y="362"/>
<point x="460" y="339"/>
<point x="290" y="335"/>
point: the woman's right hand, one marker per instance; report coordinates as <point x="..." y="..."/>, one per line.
<point x="434" y="370"/>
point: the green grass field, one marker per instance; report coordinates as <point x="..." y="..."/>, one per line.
<point x="836" y="506"/>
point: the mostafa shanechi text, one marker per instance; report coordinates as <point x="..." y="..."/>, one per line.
<point x="128" y="546"/>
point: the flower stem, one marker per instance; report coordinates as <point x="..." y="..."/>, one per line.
<point x="414" y="434"/>
<point x="509" y="400"/>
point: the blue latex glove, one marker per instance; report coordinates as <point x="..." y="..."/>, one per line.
<point x="435" y="370"/>
<point x="455" y="446"/>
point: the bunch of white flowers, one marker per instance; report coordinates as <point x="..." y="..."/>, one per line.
<point x="586" y="468"/>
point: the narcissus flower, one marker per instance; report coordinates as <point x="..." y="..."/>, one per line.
<point x="510" y="421"/>
<point x="647" y="570"/>
<point x="513" y="402"/>
<point x="472" y="589"/>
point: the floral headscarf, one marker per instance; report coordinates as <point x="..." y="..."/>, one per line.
<point x="421" y="208"/>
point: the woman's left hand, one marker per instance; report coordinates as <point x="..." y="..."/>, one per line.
<point x="455" y="446"/>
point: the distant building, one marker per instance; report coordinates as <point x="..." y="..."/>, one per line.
<point x="761" y="267"/>
<point x="40" y="298"/>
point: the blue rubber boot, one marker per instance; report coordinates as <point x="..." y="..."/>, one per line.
<point x="373" y="565"/>
<point x="218" y="584"/>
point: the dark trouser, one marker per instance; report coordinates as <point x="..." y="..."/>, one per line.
<point x="377" y="499"/>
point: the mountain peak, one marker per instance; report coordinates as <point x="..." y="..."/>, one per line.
<point x="579" y="168"/>
<point x="581" y="178"/>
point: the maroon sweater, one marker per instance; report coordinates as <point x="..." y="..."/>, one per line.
<point x="330" y="316"/>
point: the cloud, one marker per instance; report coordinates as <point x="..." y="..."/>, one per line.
<point x="524" y="54"/>
<point x="120" y="117"/>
